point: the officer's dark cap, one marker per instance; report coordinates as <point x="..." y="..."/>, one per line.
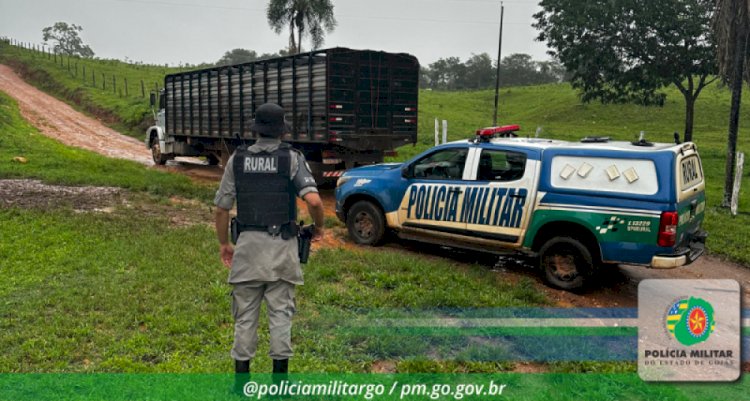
<point x="269" y="121"/>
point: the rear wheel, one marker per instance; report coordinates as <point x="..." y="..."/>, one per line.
<point x="156" y="154"/>
<point x="566" y="263"/>
<point x="366" y="223"/>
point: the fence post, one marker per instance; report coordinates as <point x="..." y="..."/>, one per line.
<point x="737" y="181"/>
<point x="126" y="86"/>
<point x="93" y="77"/>
<point x="445" y="131"/>
<point x="437" y="132"/>
<point x="104" y="81"/>
<point x="76" y="69"/>
<point x="143" y="90"/>
<point x="114" y="84"/>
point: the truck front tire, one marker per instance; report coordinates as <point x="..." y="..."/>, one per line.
<point x="159" y="158"/>
<point x="565" y="262"/>
<point x="366" y="223"/>
<point x="213" y="160"/>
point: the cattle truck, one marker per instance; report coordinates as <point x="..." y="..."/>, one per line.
<point x="346" y="107"/>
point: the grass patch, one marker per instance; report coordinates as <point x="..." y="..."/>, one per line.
<point x="125" y="292"/>
<point x="56" y="163"/>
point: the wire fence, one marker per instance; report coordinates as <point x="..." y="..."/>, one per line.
<point x="88" y="71"/>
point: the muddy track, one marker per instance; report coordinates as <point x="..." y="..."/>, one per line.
<point x="56" y="119"/>
<point x="618" y="287"/>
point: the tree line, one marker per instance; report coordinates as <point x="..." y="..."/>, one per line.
<point x="479" y="72"/>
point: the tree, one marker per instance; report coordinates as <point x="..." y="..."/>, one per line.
<point x="446" y="72"/>
<point x="553" y="71"/>
<point x="627" y="50"/>
<point x="520" y="69"/>
<point x="480" y="72"/>
<point x="67" y="40"/>
<point x="303" y="17"/>
<point x="237" y="56"/>
<point x="731" y="26"/>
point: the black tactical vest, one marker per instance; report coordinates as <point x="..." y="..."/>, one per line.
<point x="266" y="195"/>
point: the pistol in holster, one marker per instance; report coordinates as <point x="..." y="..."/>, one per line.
<point x="234" y="230"/>
<point x="304" y="240"/>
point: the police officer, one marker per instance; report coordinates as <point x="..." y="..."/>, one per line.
<point x="265" y="180"/>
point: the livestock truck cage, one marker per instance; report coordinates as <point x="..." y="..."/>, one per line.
<point x="346" y="107"/>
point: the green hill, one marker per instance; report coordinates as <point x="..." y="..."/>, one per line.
<point x="93" y="93"/>
<point x="555" y="108"/>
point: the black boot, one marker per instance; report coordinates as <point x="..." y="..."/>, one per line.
<point x="280" y="366"/>
<point x="280" y="375"/>
<point x="241" y="376"/>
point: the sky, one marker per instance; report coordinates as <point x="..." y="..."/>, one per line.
<point x="194" y="31"/>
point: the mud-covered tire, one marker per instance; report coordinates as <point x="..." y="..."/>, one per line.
<point x="366" y="223"/>
<point x="156" y="154"/>
<point x="566" y="263"/>
<point x="213" y="160"/>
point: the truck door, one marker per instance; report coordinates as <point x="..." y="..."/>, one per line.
<point x="500" y="196"/>
<point x="431" y="203"/>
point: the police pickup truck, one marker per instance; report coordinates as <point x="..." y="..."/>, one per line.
<point x="576" y="207"/>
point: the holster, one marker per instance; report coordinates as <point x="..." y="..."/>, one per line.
<point x="304" y="241"/>
<point x="234" y="230"/>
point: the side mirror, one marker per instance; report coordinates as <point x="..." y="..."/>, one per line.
<point x="406" y="172"/>
<point x="152" y="99"/>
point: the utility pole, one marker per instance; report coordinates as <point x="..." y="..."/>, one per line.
<point x="497" y="78"/>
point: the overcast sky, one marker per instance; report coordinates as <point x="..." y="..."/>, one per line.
<point x="195" y="31"/>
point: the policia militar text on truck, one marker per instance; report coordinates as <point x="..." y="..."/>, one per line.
<point x="576" y="206"/>
<point x="346" y="107"/>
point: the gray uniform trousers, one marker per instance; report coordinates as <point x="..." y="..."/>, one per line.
<point x="246" y="300"/>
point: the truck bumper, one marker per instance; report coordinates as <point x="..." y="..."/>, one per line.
<point x="684" y="255"/>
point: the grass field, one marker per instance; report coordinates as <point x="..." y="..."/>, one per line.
<point x="554" y="108"/>
<point x="127" y="291"/>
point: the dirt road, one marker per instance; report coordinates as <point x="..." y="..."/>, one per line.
<point x="618" y="287"/>
<point x="58" y="120"/>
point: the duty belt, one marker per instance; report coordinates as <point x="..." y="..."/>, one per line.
<point x="286" y="231"/>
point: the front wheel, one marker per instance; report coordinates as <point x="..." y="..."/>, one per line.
<point x="366" y="223"/>
<point x="566" y="263"/>
<point x="156" y="154"/>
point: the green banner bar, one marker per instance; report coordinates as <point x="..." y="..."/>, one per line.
<point x="501" y="386"/>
